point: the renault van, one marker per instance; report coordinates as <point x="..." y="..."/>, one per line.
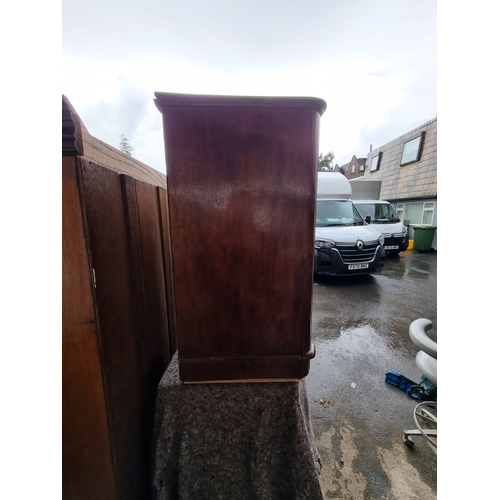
<point x="345" y="244"/>
<point x="381" y="215"/>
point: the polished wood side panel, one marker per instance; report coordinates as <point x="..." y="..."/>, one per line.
<point x="242" y="186"/>
<point x="87" y="470"/>
<point x="167" y="257"/>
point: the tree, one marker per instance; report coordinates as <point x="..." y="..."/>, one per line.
<point x="325" y="162"/>
<point x="125" y="146"/>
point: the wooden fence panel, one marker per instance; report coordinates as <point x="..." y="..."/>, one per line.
<point x="118" y="321"/>
<point x="154" y="341"/>
<point x="87" y="470"/>
<point x="126" y="246"/>
<point x="118" y="329"/>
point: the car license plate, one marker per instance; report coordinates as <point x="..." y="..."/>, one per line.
<point x="391" y="247"/>
<point x="357" y="266"/>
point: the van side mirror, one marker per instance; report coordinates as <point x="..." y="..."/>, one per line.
<point x="368" y="219"/>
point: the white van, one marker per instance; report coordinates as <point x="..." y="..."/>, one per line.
<point x="345" y="244"/>
<point x="381" y="215"/>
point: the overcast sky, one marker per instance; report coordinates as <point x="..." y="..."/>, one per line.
<point x="374" y="63"/>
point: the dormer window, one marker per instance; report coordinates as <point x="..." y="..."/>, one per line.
<point x="375" y="163"/>
<point x="353" y="169"/>
<point x="412" y="150"/>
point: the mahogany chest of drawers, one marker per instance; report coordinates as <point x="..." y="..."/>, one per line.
<point x="241" y="177"/>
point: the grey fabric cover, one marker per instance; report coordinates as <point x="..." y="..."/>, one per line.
<point x="233" y="441"/>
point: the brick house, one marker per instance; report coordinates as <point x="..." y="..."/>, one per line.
<point x="355" y="168"/>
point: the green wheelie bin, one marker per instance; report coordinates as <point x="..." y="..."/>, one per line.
<point x="422" y="238"/>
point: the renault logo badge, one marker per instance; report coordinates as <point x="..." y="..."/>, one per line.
<point x="359" y="245"/>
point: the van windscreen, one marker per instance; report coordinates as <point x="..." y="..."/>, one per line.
<point x="337" y="213"/>
<point x="379" y="212"/>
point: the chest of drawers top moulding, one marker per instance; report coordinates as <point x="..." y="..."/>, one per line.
<point x="167" y="99"/>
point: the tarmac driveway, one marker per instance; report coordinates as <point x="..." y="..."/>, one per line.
<point x="360" y="330"/>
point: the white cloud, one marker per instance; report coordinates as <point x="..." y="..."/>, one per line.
<point x="374" y="64"/>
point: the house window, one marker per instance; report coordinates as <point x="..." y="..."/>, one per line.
<point x="428" y="214"/>
<point x="416" y="213"/>
<point x="412" y="150"/>
<point x="400" y="210"/>
<point x="375" y="163"/>
<point x="353" y="169"/>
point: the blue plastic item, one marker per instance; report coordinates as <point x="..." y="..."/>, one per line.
<point x="400" y="381"/>
<point x="425" y="391"/>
